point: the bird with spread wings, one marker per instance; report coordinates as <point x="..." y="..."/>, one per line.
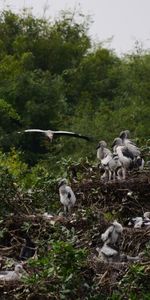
<point x="51" y="133"/>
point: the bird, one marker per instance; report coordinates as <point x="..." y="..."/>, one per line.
<point x="51" y="133"/>
<point x="12" y="276"/>
<point x="108" y="254"/>
<point x="112" y="235"/>
<point x="139" y="222"/>
<point x="109" y="161"/>
<point x="131" y="146"/>
<point x="67" y="196"/>
<point x="126" y="157"/>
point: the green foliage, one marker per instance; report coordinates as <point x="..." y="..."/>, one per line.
<point x="134" y="284"/>
<point x="60" y="272"/>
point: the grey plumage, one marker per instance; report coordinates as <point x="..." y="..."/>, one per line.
<point x="109" y="161"/>
<point x="12" y="276"/>
<point x="125" y="154"/>
<point x="112" y="234"/>
<point x="67" y="196"/>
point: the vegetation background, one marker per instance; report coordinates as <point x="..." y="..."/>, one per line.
<point x="52" y="76"/>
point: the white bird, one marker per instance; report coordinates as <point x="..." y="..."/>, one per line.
<point x="147" y="215"/>
<point x="50" y="133"/>
<point x="109" y="161"/>
<point x="112" y="234"/>
<point x="108" y="254"/>
<point x="139" y="222"/>
<point x="126" y="157"/>
<point x="136" y="222"/>
<point x="12" y="276"/>
<point x="131" y="146"/>
<point x="67" y="196"/>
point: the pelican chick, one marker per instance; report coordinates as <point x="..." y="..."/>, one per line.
<point x="131" y="146"/>
<point x="12" y="276"/>
<point x="126" y="157"/>
<point x="112" y="234"/>
<point x="109" y="161"/>
<point x="67" y="196"/>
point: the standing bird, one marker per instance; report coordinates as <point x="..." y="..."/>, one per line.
<point x="110" y="250"/>
<point x="112" y="234"/>
<point x="131" y="146"/>
<point x="126" y="156"/>
<point x="51" y="133"/>
<point x="109" y="161"/>
<point x="67" y="196"/>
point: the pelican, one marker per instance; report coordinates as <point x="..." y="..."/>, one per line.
<point x="126" y="157"/>
<point x="112" y="234"/>
<point x="139" y="222"/>
<point x="131" y="146"/>
<point x="12" y="276"/>
<point x="51" y="133"/>
<point x="67" y="196"/>
<point x="109" y="161"/>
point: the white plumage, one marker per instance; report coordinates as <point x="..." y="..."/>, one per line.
<point x="50" y="133"/>
<point x="112" y="234"/>
<point x="12" y="276"/>
<point x="109" y="161"/>
<point x="139" y="222"/>
<point x="126" y="157"/>
<point x="67" y="196"/>
<point x="131" y="146"/>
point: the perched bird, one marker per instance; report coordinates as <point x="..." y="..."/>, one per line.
<point x="67" y="196"/>
<point x="126" y="157"/>
<point x="12" y="276"/>
<point x="108" y="254"/>
<point x="131" y="146"/>
<point x="112" y="234"/>
<point x="146" y="215"/>
<point x="109" y="161"/>
<point x="139" y="222"/>
<point x="51" y="133"/>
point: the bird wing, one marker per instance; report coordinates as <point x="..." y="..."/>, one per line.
<point x="107" y="233"/>
<point x="126" y="152"/>
<point x="35" y="130"/>
<point x="73" y="134"/>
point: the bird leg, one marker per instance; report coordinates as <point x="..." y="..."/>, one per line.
<point x="123" y="173"/>
<point x="109" y="175"/>
<point x="119" y="173"/>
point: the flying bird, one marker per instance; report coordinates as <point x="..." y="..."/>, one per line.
<point x="51" y="133"/>
<point x="67" y="196"/>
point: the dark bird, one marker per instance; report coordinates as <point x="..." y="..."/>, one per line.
<point x="51" y="133"/>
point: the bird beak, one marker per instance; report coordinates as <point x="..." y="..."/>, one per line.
<point x="98" y="146"/>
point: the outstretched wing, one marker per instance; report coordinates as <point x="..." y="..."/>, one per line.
<point x="73" y="134"/>
<point x="35" y="130"/>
